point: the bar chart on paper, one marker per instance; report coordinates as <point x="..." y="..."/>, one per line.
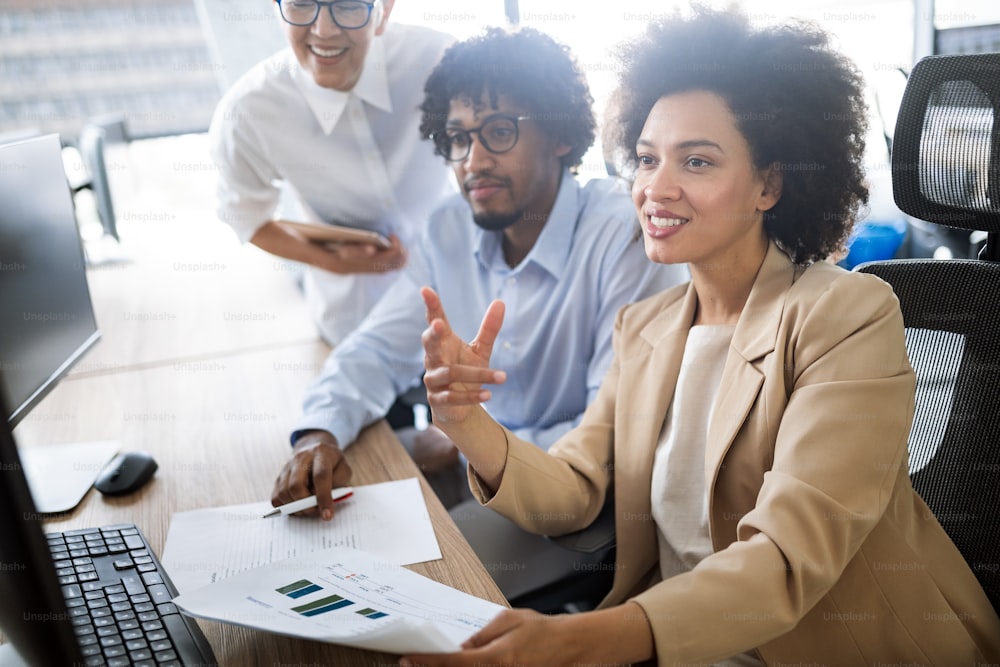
<point x="324" y="604"/>
<point x="345" y="596"/>
<point x="299" y="588"/>
<point x="340" y="587"/>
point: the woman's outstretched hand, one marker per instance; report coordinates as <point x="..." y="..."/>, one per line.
<point x="456" y="370"/>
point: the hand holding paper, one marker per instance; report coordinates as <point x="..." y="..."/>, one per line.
<point x="345" y="596"/>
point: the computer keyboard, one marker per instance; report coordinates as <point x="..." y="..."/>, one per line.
<point x="119" y="601"/>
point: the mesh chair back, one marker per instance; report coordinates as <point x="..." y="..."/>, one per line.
<point x="946" y="145"/>
<point x="946" y="170"/>
<point x="954" y="346"/>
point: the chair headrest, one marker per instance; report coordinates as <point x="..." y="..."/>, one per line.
<point x="946" y="146"/>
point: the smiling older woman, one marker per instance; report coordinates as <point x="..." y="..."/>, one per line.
<point x="753" y="425"/>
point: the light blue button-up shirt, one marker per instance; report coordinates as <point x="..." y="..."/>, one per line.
<point x="555" y="343"/>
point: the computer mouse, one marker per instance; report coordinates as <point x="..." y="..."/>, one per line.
<point x="126" y="473"/>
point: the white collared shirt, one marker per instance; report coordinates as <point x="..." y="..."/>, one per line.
<point x="352" y="158"/>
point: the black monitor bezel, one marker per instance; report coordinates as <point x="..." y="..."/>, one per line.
<point x="21" y="410"/>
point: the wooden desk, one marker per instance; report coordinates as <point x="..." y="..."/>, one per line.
<point x="219" y="433"/>
<point x="215" y="409"/>
<point x="171" y="302"/>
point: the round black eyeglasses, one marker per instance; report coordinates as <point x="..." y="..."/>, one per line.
<point x="498" y="134"/>
<point x="346" y="14"/>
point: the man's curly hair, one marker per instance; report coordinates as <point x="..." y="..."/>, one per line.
<point x="799" y="105"/>
<point x="528" y="67"/>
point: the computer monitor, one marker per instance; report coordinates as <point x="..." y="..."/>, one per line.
<point x="33" y="615"/>
<point x="47" y="319"/>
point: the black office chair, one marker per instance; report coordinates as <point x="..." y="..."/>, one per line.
<point x="946" y="170"/>
<point x="583" y="589"/>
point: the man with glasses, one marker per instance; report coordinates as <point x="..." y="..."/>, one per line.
<point x="330" y="127"/>
<point x="511" y="113"/>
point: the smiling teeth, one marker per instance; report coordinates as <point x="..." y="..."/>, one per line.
<point x="326" y="53"/>
<point x="666" y="222"/>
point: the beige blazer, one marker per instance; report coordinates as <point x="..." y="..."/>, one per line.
<point x="824" y="554"/>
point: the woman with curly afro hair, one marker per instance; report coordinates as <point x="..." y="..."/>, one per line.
<point x="752" y="429"/>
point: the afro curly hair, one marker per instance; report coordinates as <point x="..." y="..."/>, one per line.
<point x="529" y="68"/>
<point x="798" y="103"/>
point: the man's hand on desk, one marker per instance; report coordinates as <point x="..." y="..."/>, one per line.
<point x="317" y="466"/>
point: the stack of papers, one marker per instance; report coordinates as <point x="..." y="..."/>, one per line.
<point x="388" y="520"/>
<point x="338" y="581"/>
<point x="345" y="596"/>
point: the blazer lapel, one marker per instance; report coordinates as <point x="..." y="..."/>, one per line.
<point x="651" y="373"/>
<point x="655" y="369"/>
<point x="666" y="336"/>
<point x="754" y="337"/>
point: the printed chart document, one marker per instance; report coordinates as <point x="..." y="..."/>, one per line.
<point x="345" y="596"/>
<point x="389" y="520"/>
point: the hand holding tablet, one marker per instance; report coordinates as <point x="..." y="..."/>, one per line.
<point x="327" y="233"/>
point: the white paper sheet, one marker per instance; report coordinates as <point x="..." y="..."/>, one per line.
<point x="389" y="520"/>
<point x="345" y="596"/>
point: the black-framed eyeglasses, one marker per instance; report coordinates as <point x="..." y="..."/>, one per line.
<point x="347" y="14"/>
<point x="498" y="134"/>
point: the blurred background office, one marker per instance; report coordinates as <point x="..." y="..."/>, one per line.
<point x="130" y="86"/>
